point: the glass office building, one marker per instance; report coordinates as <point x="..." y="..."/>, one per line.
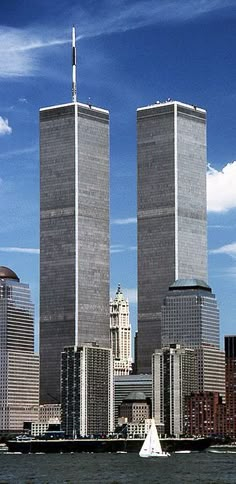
<point x="190" y="315"/>
<point x="19" y="365"/>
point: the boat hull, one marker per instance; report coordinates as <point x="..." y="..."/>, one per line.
<point x="103" y="445"/>
<point x="154" y="455"/>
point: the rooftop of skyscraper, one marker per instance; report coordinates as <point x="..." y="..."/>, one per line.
<point x="82" y="105"/>
<point x="169" y="102"/>
<point x="119" y="294"/>
<point x="6" y="273"/>
<point x="190" y="284"/>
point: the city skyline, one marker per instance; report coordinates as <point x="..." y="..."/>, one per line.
<point x="39" y="74"/>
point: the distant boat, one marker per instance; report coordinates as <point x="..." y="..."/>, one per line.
<point x="223" y="449"/>
<point x="151" y="446"/>
<point x="183" y="452"/>
<point x="3" y="448"/>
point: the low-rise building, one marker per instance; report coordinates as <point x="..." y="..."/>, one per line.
<point x="204" y="414"/>
<point x="49" y="412"/>
<point x="138" y="430"/>
<point x="135" y="407"/>
<point x="131" y="383"/>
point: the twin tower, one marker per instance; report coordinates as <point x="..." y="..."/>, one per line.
<point x="74" y="230"/>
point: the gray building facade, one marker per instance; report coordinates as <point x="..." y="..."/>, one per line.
<point x="87" y="390"/>
<point x="190" y="315"/>
<point x="74" y="235"/>
<point x="211" y="369"/>
<point x="172" y="231"/>
<point x="190" y="318"/>
<point x="174" y="378"/>
<point x="19" y="365"/>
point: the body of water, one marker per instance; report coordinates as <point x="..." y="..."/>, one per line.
<point x="204" y="468"/>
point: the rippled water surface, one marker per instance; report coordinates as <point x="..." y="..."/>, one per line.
<point x="204" y="468"/>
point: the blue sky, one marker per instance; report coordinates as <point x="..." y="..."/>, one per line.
<point x="130" y="54"/>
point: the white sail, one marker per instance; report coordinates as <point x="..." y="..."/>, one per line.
<point x="151" y="445"/>
<point x="155" y="441"/>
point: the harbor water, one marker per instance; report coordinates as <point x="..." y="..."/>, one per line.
<point x="204" y="468"/>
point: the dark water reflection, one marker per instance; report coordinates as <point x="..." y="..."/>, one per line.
<point x="204" y="468"/>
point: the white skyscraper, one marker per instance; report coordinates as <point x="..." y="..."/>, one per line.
<point x="120" y="331"/>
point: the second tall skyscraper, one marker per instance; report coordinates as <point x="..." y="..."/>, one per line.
<point x="172" y="231"/>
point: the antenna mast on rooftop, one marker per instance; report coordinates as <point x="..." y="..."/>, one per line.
<point x="74" y="98"/>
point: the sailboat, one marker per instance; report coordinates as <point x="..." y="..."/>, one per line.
<point x="152" y="446"/>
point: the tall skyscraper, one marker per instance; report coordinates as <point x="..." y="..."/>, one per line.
<point x="120" y="330"/>
<point x="87" y="390"/>
<point x="190" y="315"/>
<point x="74" y="234"/>
<point x="19" y="365"/>
<point x="174" y="377"/>
<point x="172" y="238"/>
<point x="230" y="377"/>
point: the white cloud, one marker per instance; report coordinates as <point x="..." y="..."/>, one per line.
<point x="18" y="152"/>
<point x="229" y="249"/>
<point x="124" y="221"/>
<point x="221" y="188"/>
<point x="118" y="248"/>
<point x="4" y="126"/>
<point x="124" y="15"/>
<point x="23" y="250"/>
<point x="217" y="226"/>
<point x="21" y="50"/>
